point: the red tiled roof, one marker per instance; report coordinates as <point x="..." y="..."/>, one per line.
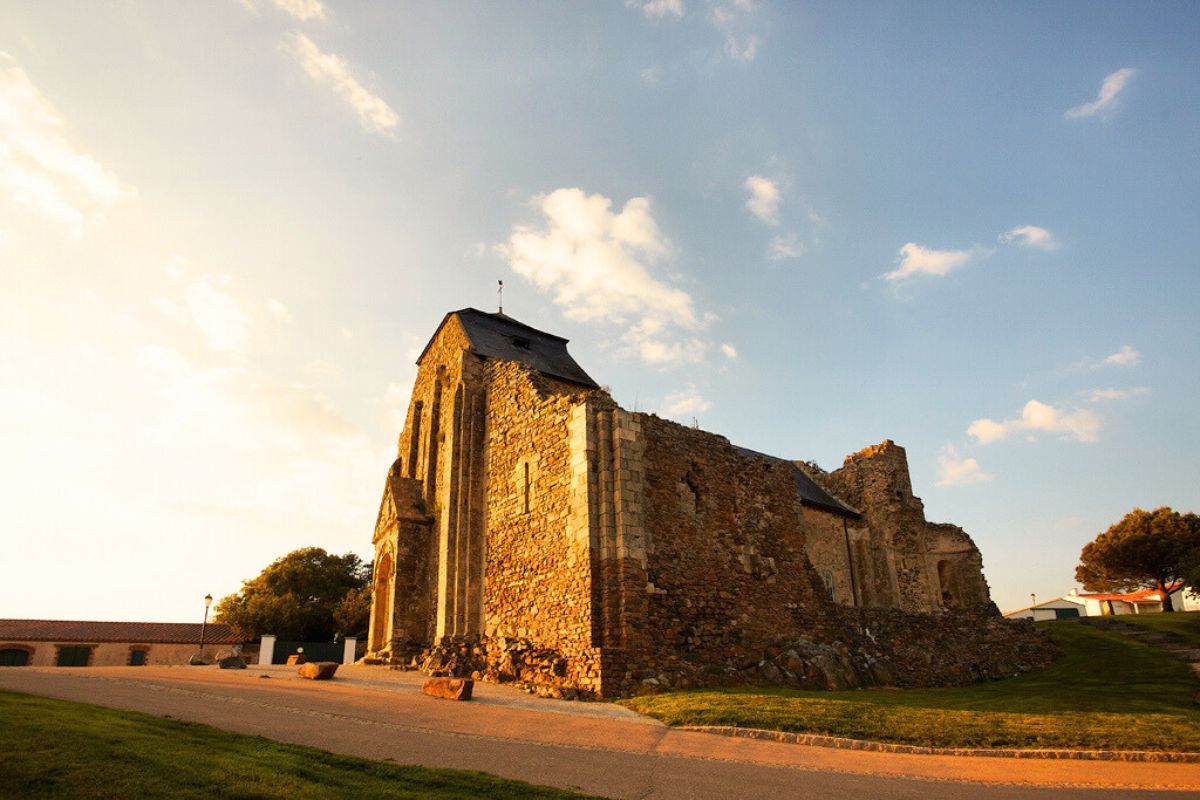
<point x="1140" y="596"/>
<point x="15" y="630"/>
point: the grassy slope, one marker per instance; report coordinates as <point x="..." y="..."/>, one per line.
<point x="54" y="748"/>
<point x="1105" y="693"/>
<point x="1184" y="624"/>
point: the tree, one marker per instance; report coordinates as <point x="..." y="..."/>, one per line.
<point x="1145" y="550"/>
<point x="303" y="596"/>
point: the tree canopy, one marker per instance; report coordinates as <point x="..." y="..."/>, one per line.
<point x="307" y="595"/>
<point x="1145" y="550"/>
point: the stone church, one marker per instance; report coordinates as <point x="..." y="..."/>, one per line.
<point x="533" y="530"/>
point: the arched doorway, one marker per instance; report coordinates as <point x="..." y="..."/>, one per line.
<point x="381" y="604"/>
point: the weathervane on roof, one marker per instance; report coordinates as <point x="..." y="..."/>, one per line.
<point x="500" y="294"/>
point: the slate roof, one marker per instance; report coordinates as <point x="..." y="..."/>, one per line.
<point x="503" y="338"/>
<point x="811" y="494"/>
<point x="56" y="630"/>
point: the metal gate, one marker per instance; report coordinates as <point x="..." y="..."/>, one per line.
<point x="313" y="651"/>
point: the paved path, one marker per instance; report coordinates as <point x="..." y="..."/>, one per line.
<point x="596" y="747"/>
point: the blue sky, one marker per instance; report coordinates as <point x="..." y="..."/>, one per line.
<point x="227" y="228"/>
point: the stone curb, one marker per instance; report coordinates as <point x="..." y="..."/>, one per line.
<point x="836" y="742"/>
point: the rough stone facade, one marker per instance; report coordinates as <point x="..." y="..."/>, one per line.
<point x="532" y="530"/>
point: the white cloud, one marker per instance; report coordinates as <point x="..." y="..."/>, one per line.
<point x="1031" y="236"/>
<point x="956" y="471"/>
<point x="1082" y="425"/>
<point x="277" y="309"/>
<point x="729" y="351"/>
<point x="657" y="8"/>
<point x="1125" y="357"/>
<point x="40" y="169"/>
<point x="1101" y="395"/>
<point x="764" y="198"/>
<point x="1109" y="90"/>
<point x="331" y="70"/>
<point x="918" y="260"/>
<point x="685" y="403"/>
<point x="219" y="316"/>
<point x="303" y="10"/>
<point x="597" y="264"/>
<point x="785" y="246"/>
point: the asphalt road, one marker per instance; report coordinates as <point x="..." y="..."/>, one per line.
<point x="595" y="747"/>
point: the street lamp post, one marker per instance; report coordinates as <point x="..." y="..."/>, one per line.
<point x="204" y="624"/>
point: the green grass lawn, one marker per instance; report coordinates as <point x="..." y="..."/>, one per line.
<point x="54" y="748"/>
<point x="1184" y="624"/>
<point x="1105" y="693"/>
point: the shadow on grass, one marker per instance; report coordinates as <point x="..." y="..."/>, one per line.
<point x="56" y="748"/>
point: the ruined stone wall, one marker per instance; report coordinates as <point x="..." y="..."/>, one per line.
<point x="538" y="573"/>
<point x="900" y="559"/>
<point x="958" y="566"/>
<point x="727" y="568"/>
<point x="828" y="547"/>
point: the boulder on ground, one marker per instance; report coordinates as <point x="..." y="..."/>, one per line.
<point x="317" y="670"/>
<point x="231" y="662"/>
<point x="449" y="688"/>
<point x="200" y="659"/>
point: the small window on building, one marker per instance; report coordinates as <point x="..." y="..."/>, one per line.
<point x="73" y="656"/>
<point x="14" y="657"/>
<point x="526" y="492"/>
<point x="689" y="493"/>
<point x="137" y="656"/>
<point x="828" y="576"/>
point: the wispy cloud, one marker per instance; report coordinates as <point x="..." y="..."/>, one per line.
<point x="222" y="321"/>
<point x="598" y="266"/>
<point x="726" y="18"/>
<point x="785" y="246"/>
<point x="651" y="75"/>
<point x="1082" y="425"/>
<point x="303" y="10"/>
<point x="332" y="71"/>
<point x="1110" y="89"/>
<point x="764" y="198"/>
<point x="915" y="259"/>
<point x="1031" y="236"/>
<point x="1102" y="395"/>
<point x="40" y="169"/>
<point x="729" y="351"/>
<point x="954" y="470"/>
<point x="277" y="309"/>
<point x="657" y="8"/>
<point x="685" y="403"/>
<point x="1124" y="357"/>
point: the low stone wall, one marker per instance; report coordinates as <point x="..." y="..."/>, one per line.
<point x="863" y="647"/>
<point x="877" y="647"/>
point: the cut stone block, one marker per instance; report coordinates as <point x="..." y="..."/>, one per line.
<point x="318" y="670"/>
<point x="449" y="688"/>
